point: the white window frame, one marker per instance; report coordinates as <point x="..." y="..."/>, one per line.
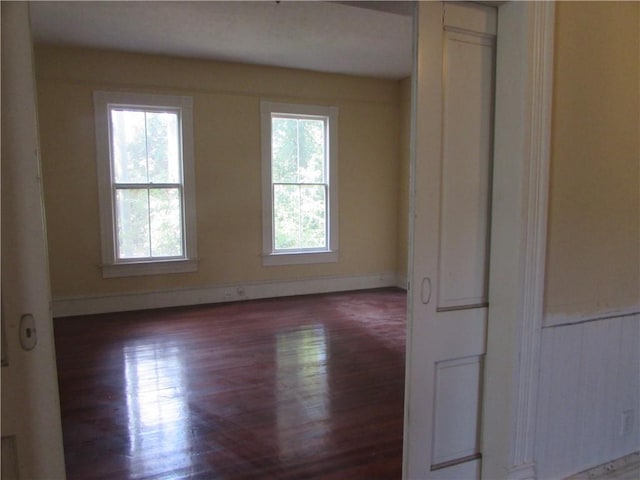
<point x="111" y="266"/>
<point x="328" y="254"/>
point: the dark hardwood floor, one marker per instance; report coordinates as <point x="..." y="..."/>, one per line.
<point x="307" y="387"/>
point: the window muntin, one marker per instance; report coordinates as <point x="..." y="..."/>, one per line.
<point x="299" y="183"/>
<point x="146" y="183"/>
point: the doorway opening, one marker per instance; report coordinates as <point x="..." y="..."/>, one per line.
<point x="377" y="185"/>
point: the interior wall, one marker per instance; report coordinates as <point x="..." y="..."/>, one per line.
<point x="593" y="252"/>
<point x="589" y="388"/>
<point x="403" y="182"/>
<point x="227" y="154"/>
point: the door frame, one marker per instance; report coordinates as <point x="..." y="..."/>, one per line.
<point x="31" y="408"/>
<point x="524" y="83"/>
<point x="524" y="77"/>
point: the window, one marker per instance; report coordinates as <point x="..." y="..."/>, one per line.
<point x="145" y="183"/>
<point x="299" y="172"/>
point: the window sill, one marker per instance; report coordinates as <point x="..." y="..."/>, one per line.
<point x="274" y="259"/>
<point x="149" y="268"/>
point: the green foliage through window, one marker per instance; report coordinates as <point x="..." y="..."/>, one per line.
<point x="146" y="164"/>
<point x="299" y="173"/>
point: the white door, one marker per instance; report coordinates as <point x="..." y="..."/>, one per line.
<point x="31" y="433"/>
<point x="451" y="182"/>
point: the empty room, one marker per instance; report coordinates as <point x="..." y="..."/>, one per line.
<point x="221" y="153"/>
<point x="384" y="240"/>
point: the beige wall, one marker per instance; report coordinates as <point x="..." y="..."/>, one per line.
<point x="227" y="150"/>
<point x="403" y="179"/>
<point x="594" y="241"/>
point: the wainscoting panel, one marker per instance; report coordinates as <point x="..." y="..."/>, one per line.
<point x="589" y="395"/>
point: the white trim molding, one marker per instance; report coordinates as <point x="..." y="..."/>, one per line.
<point x="329" y="253"/>
<point x="183" y="107"/>
<point x="107" y="303"/>
<point x="536" y="187"/>
<point x="518" y="238"/>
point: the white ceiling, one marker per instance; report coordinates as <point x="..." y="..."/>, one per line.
<point x="360" y="38"/>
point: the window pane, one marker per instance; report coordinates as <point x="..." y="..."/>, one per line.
<point x="162" y="147"/>
<point x="286" y="216"/>
<point x="312" y="216"/>
<point x="166" y="222"/>
<point x="284" y="150"/>
<point x="299" y="216"/>
<point x="132" y="212"/>
<point x="311" y="164"/>
<point x="129" y="146"/>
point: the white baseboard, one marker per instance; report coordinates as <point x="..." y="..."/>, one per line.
<point x="88" y="305"/>
<point x="625" y="468"/>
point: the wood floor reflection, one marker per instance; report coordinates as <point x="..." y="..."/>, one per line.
<point x="306" y="387"/>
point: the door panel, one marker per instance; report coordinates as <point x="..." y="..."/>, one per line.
<point x="467" y="132"/>
<point x="462" y="471"/>
<point x="451" y="324"/>
<point x="476" y="19"/>
<point x="455" y="429"/>
<point x="453" y="130"/>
